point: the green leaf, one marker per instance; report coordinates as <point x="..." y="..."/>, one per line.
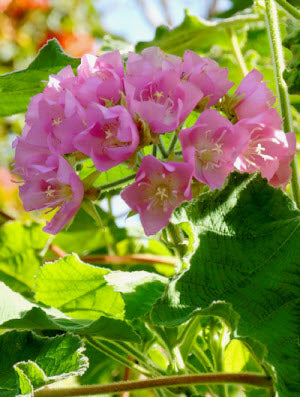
<point x="17" y="88"/>
<point x="19" y="259"/>
<point x="78" y="289"/>
<point x="292" y="72"/>
<point x="140" y="290"/>
<point x="29" y="361"/>
<point x="19" y="313"/>
<point x="194" y="33"/>
<point x="246" y="252"/>
<point x="236" y="6"/>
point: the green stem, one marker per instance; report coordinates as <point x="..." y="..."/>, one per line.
<point x="252" y="379"/>
<point x="188" y="336"/>
<point x="116" y="183"/>
<point x="178" y="361"/>
<point x="237" y="51"/>
<point x="116" y="356"/>
<point x="176" y="237"/>
<point x="173" y="142"/>
<point x="289" y="8"/>
<point x="202" y="358"/>
<point x="154" y="150"/>
<point x="282" y="92"/>
<point x="147" y="363"/>
<point x="162" y="148"/>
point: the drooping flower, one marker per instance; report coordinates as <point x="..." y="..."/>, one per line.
<point x="212" y="146"/>
<point x="206" y="74"/>
<point x="155" y="92"/>
<point x="269" y="149"/>
<point x="55" y="185"/>
<point x="256" y="97"/>
<point x="29" y="158"/>
<point x="100" y="79"/>
<point x="110" y="137"/>
<point x="158" y="189"/>
<point x="54" y="123"/>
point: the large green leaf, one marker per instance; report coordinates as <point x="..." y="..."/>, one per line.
<point x="29" y="361"/>
<point x="78" y="289"/>
<point x="19" y="259"/>
<point x="19" y="313"/>
<point x="194" y="33"/>
<point x="247" y="253"/>
<point x="17" y="88"/>
<point x="140" y="290"/>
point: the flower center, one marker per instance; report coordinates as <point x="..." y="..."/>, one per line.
<point x="161" y="193"/>
<point x="58" y="193"/>
<point x="208" y="155"/>
<point x="56" y="122"/>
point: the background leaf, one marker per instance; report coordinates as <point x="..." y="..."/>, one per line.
<point x="78" y="289"/>
<point x="19" y="313"/>
<point x="19" y="259"/>
<point x="29" y="360"/>
<point x="140" y="290"/>
<point x="17" y="88"/>
<point x="246" y="252"/>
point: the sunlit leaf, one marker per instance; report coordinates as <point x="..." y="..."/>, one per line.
<point x="246" y="252"/>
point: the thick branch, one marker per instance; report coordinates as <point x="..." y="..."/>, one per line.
<point x="167" y="381"/>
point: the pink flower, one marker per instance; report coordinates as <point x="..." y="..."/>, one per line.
<point x="152" y="60"/>
<point x="269" y="150"/>
<point x="206" y="75"/>
<point x="155" y="91"/>
<point x="29" y="158"/>
<point x="56" y="185"/>
<point x="100" y="79"/>
<point x="212" y="146"/>
<point x="54" y="123"/>
<point x="58" y="83"/>
<point x="110" y="137"/>
<point x="256" y="96"/>
<point x="158" y="189"/>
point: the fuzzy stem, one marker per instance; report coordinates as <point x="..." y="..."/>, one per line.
<point x="282" y="92"/>
<point x="237" y="51"/>
<point x="251" y="379"/>
<point x="291" y="10"/>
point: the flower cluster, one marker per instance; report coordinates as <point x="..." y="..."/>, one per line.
<point x="105" y="113"/>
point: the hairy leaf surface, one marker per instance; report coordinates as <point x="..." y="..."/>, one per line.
<point x="246" y="252"/>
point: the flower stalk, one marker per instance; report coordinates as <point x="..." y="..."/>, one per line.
<point x="282" y="91"/>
